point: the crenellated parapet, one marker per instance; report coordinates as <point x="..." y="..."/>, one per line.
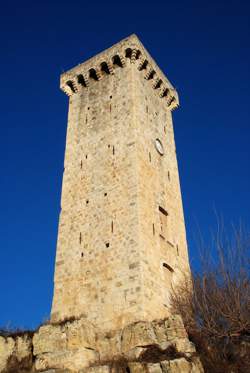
<point x="128" y="52"/>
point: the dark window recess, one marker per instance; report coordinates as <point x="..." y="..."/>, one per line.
<point x="127" y="370"/>
<point x="80" y="238"/>
<point x="163" y="222"/>
<point x="117" y="61"/>
<point x="113" y="150"/>
<point x="153" y="229"/>
<point x="165" y="129"/>
<point x="168" y="175"/>
<point x="128" y="52"/>
<point x="112" y="226"/>
<point x="88" y="108"/>
<point x="86" y="119"/>
<point x="81" y="164"/>
<point x="105" y="194"/>
<point x="144" y="65"/>
<point x="108" y="145"/>
<point x="177" y="249"/>
<point x="87" y="202"/>
<point x="81" y="80"/>
<point x="82" y="255"/>
<point x="70" y="85"/>
<point x="86" y="156"/>
<point x="151" y="75"/>
<point x="104" y="68"/>
<point x="110" y="97"/>
<point x="163" y="211"/>
<point x="107" y="244"/>
<point x="165" y="265"/>
<point x="159" y="83"/>
<point x="149" y="156"/>
<point x="93" y="74"/>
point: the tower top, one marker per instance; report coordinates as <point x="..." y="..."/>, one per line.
<point x="128" y="51"/>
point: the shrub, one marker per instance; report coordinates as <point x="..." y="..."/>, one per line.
<point x="215" y="304"/>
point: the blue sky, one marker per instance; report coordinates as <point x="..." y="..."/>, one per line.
<point x="203" y="47"/>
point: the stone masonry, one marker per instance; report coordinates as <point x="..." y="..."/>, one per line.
<point x="77" y="346"/>
<point x="121" y="241"/>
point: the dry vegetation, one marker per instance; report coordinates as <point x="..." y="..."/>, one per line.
<point x="215" y="304"/>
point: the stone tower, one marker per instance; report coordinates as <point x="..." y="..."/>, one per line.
<point x="121" y="241"/>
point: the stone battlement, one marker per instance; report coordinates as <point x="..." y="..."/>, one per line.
<point x="128" y="51"/>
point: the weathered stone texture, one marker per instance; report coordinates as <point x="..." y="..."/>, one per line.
<point x="121" y="241"/>
<point x="76" y="347"/>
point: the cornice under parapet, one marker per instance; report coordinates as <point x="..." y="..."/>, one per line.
<point x="127" y="51"/>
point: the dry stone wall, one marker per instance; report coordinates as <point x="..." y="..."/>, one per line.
<point x="77" y="347"/>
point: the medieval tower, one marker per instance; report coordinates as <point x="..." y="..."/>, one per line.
<point x="121" y="241"/>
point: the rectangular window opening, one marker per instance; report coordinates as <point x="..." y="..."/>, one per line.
<point x="163" y="211"/>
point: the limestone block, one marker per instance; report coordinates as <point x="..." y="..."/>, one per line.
<point x="137" y="368"/>
<point x="23" y="348"/>
<point x="175" y="327"/>
<point x="179" y="366"/>
<point x="137" y="335"/>
<point x="98" y="369"/>
<point x="80" y="334"/>
<point x="154" y="368"/>
<point x="160" y="331"/>
<point x="109" y="344"/>
<point x="134" y="353"/>
<point x="49" y="338"/>
<point x="7" y="346"/>
<point x="74" y="361"/>
<point x="183" y="345"/>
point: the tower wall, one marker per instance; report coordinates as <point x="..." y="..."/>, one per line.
<point x="121" y="240"/>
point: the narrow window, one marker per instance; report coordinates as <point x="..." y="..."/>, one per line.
<point x="81" y="164"/>
<point x="82" y="255"/>
<point x="163" y="222"/>
<point x="81" y="80"/>
<point x="107" y="244"/>
<point x="86" y="156"/>
<point x="153" y="229"/>
<point x="93" y="74"/>
<point x="149" y="156"/>
<point x="104" y="68"/>
<point x="80" y="238"/>
<point x="105" y="194"/>
<point x="70" y="85"/>
<point x="177" y="249"/>
<point x="128" y="53"/>
<point x="113" y="150"/>
<point x="168" y="176"/>
<point x="117" y="61"/>
<point x="165" y="265"/>
<point x="87" y="202"/>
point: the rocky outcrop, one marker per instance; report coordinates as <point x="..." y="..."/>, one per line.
<point x="160" y="346"/>
<point x="16" y="353"/>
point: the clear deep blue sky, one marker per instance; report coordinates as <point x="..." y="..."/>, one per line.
<point x="202" y="46"/>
